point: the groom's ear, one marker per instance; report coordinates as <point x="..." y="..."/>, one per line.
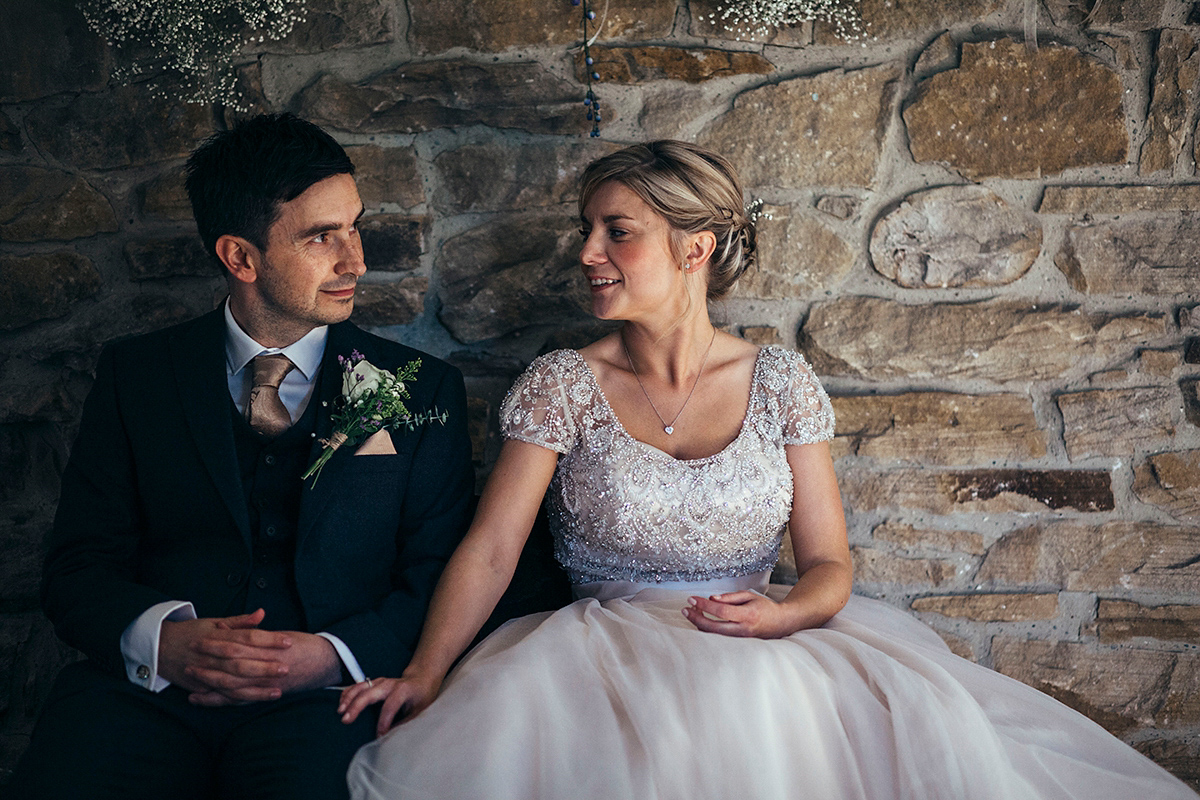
<point x="239" y="256"/>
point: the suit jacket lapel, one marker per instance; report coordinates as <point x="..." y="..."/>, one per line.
<point x="343" y="337"/>
<point x="198" y="361"/>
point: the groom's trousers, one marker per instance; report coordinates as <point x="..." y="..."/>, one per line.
<point x="100" y="736"/>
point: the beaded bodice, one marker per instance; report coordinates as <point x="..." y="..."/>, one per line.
<point x="621" y="509"/>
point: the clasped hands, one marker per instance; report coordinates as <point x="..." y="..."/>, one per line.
<point x="231" y="661"/>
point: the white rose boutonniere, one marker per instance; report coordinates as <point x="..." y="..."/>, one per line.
<point x="372" y="400"/>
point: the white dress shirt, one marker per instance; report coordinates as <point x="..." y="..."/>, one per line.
<point x="139" y="642"/>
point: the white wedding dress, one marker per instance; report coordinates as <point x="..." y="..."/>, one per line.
<point x="619" y="697"/>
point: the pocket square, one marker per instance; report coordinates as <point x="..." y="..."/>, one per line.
<point x="378" y="443"/>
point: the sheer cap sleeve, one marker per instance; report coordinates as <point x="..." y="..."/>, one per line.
<point x="805" y="412"/>
<point x="536" y="408"/>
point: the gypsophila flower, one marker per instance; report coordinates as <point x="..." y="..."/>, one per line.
<point x="761" y="18"/>
<point x="198" y="40"/>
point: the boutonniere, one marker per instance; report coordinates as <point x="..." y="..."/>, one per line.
<point x="372" y="400"/>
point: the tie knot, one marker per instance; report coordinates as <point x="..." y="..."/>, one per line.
<point x="270" y="370"/>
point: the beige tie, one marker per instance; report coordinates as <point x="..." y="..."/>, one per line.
<point x="265" y="412"/>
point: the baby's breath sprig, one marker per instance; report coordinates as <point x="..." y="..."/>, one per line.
<point x="196" y="39"/>
<point x="761" y="18"/>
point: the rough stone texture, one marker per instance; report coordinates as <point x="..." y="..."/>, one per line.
<point x="1116" y="556"/>
<point x="1172" y="100"/>
<point x="977" y="491"/>
<point x="495" y="177"/>
<point x="912" y="538"/>
<point x="1119" y="199"/>
<point x="10" y="135"/>
<point x="937" y="428"/>
<point x="438" y="25"/>
<point x="1121" y="620"/>
<point x="999" y="340"/>
<point x="511" y="273"/>
<point x="94" y="131"/>
<point x="1157" y="254"/>
<point x="43" y="286"/>
<point x="761" y="334"/>
<point x="958" y="645"/>
<point x="397" y="303"/>
<point x="165" y="197"/>
<point x="387" y="175"/>
<point x="691" y="65"/>
<point x="666" y="113"/>
<point x="478" y="415"/>
<point x="169" y="258"/>
<point x="47" y="48"/>
<point x="38" y="204"/>
<point x="877" y="567"/>
<point x="1118" y="688"/>
<point x="1118" y="422"/>
<point x="826" y="130"/>
<point x="955" y="236"/>
<point x="1171" y="481"/>
<point x="940" y="55"/>
<point x="1008" y="113"/>
<point x="798" y="257"/>
<point x="1160" y="363"/>
<point x="393" y="242"/>
<point x="840" y="206"/>
<point x="991" y="607"/>
<point x="1180" y="757"/>
<point x="334" y="24"/>
<point x="901" y="19"/>
<point x="1132" y="16"/>
<point x="429" y="95"/>
<point x="1190" y="389"/>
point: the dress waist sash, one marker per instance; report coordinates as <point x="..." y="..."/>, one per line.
<point x="612" y="590"/>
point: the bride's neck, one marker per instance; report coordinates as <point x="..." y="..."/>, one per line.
<point x="672" y="354"/>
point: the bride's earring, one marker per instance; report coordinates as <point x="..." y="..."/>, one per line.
<point x="684" y="266"/>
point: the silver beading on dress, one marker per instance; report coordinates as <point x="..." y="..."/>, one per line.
<point x="621" y="509"/>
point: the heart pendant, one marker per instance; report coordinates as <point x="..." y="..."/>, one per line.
<point x="669" y="430"/>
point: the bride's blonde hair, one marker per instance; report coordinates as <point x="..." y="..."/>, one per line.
<point x="694" y="190"/>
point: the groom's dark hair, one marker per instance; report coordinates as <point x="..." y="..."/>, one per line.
<point x="238" y="179"/>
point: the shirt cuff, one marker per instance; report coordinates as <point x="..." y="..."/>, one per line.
<point x="348" y="659"/>
<point x="139" y="642"/>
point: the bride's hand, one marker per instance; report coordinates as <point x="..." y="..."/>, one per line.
<point x="403" y="699"/>
<point x="739" y="614"/>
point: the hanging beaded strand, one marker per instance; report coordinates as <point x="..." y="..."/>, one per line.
<point x="589" y="100"/>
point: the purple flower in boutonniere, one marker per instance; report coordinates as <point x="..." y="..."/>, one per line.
<point x="372" y="400"/>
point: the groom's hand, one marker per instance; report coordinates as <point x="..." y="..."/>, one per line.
<point x="309" y="663"/>
<point x="226" y="656"/>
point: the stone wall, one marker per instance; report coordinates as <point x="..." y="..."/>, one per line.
<point x="987" y="248"/>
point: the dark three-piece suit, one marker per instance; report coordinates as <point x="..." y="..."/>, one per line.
<point x="169" y="496"/>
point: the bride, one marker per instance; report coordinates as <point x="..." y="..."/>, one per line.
<point x="676" y="459"/>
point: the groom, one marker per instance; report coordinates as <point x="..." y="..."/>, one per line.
<point x="214" y="592"/>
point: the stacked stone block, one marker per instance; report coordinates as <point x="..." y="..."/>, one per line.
<point x="979" y="224"/>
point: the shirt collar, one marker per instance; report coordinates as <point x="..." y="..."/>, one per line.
<point x="306" y="352"/>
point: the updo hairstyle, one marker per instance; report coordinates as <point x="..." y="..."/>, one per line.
<point x="695" y="190"/>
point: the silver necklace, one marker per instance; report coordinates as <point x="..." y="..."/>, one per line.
<point x="668" y="427"/>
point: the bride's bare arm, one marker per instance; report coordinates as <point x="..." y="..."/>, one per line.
<point x="471" y="585"/>
<point x="818" y="531"/>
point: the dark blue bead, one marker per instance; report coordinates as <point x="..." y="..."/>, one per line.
<point x="589" y="61"/>
<point x="587" y="101"/>
<point x="595" y="76"/>
<point x="589" y="115"/>
<point x="591" y="15"/>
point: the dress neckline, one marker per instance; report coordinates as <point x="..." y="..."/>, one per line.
<point x="754" y="384"/>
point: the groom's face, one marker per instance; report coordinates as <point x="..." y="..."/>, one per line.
<point x="314" y="257"/>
